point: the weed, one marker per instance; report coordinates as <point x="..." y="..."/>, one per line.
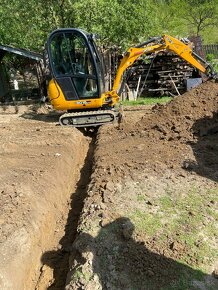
<point x="78" y="275"/>
<point x="140" y="198"/>
<point x="146" y="222"/>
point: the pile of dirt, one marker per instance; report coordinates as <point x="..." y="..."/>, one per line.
<point x="175" y="120"/>
<point x="158" y="141"/>
<point x="151" y="179"/>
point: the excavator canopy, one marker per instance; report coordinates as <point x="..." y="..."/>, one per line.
<point x="75" y="64"/>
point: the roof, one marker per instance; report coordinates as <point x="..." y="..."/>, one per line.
<point x="22" y="52"/>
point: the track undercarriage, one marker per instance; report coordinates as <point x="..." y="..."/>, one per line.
<point x="89" y="118"/>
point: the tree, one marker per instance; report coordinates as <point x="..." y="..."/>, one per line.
<point x="200" y="14"/>
<point x="27" y="24"/>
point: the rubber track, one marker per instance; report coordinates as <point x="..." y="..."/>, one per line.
<point x="89" y="114"/>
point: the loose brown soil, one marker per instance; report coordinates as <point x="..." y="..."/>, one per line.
<point x="153" y="191"/>
<point x="149" y="218"/>
<point x="40" y="166"/>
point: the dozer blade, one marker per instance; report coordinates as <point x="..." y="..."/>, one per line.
<point x="89" y="119"/>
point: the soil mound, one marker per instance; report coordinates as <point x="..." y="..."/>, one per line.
<point x="170" y="141"/>
<point x="151" y="198"/>
<point x="158" y="141"/>
<point x="175" y="120"/>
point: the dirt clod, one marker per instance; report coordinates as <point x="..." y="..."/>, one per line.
<point x="215" y="273"/>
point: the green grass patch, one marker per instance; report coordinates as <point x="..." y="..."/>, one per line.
<point x="187" y="216"/>
<point x="140" y="198"/>
<point x="147" y="101"/>
<point x="78" y="274"/>
<point x="186" y="281"/>
<point x="145" y="222"/>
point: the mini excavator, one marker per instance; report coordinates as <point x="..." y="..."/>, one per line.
<point x="77" y="83"/>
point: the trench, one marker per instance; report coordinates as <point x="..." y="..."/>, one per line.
<point x="58" y="260"/>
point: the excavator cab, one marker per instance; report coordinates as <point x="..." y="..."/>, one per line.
<point x="77" y="84"/>
<point x="75" y="64"/>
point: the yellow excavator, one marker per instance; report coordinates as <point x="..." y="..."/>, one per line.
<point x="77" y="84"/>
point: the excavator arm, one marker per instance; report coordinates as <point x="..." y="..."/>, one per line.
<point x="154" y="45"/>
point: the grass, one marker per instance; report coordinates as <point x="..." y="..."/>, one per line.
<point x="145" y="222"/>
<point x="78" y="274"/>
<point x="213" y="61"/>
<point x="215" y="66"/>
<point x="186" y="216"/>
<point x="140" y="198"/>
<point x="147" y="101"/>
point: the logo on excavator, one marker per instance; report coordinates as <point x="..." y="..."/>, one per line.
<point x="83" y="102"/>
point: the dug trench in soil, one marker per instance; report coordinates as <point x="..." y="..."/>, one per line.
<point x="149" y="219"/>
<point x="39" y="169"/>
<point x="58" y="260"/>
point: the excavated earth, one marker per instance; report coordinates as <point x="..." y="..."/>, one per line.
<point x="39" y="171"/>
<point x="150" y="217"/>
<point x="131" y="207"/>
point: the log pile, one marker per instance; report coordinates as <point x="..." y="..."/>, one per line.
<point x="164" y="74"/>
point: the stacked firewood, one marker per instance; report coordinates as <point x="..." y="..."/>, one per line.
<point x="160" y="75"/>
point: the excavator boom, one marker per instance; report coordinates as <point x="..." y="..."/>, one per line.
<point x="155" y="45"/>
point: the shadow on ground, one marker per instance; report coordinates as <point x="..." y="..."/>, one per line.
<point x="53" y="117"/>
<point x="50" y="117"/>
<point x="120" y="262"/>
<point x="206" y="148"/>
